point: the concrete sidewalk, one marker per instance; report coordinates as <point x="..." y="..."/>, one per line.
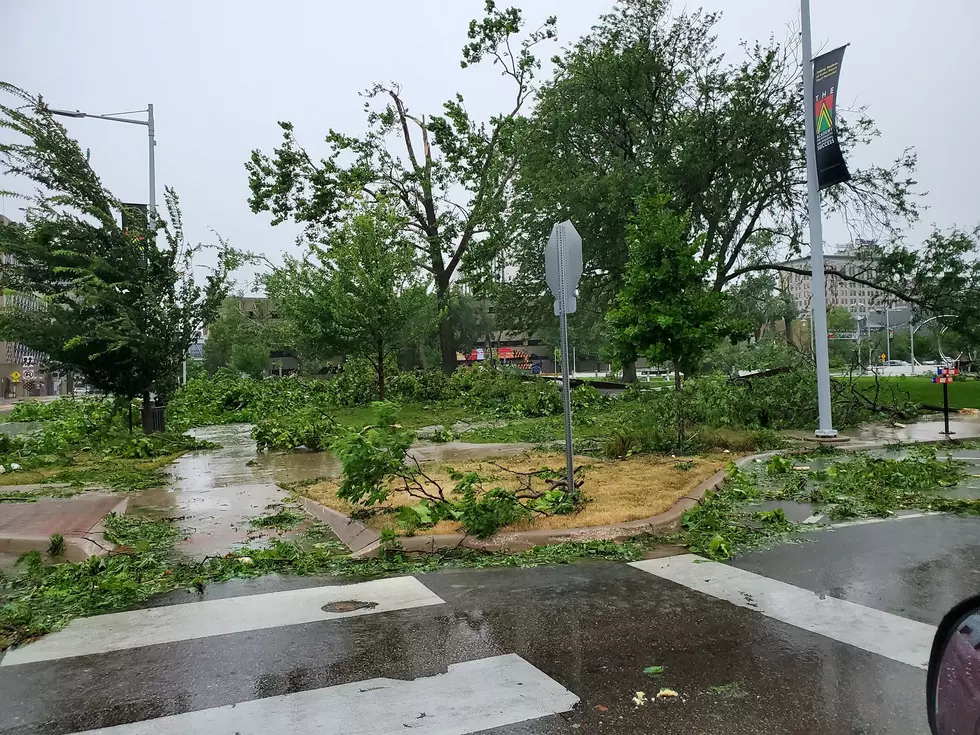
<point x="29" y="526"/>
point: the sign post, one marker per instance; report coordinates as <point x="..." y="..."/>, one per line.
<point x="825" y="167"/>
<point x="945" y="376"/>
<point x="563" y="268"/>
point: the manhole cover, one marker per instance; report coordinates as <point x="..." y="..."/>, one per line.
<point x="348" y="606"/>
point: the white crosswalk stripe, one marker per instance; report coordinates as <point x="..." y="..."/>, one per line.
<point x="894" y="637"/>
<point x="119" y="631"/>
<point x="469" y="697"/>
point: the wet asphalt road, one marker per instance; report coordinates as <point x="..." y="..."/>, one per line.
<point x="591" y="627"/>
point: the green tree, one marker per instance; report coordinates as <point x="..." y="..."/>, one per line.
<point x="758" y="299"/>
<point x="840" y="319"/>
<point x="666" y="310"/>
<point x="244" y="340"/>
<point x="358" y="293"/>
<point x="251" y="358"/>
<point x="646" y="99"/>
<point x="450" y="179"/>
<point x="120" y="307"/>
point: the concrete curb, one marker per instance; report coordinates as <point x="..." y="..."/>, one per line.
<point x="365" y="542"/>
<point x="354" y="534"/>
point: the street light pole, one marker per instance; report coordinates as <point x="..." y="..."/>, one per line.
<point x="888" y="335"/>
<point x="151" y="134"/>
<point x="825" y="428"/>
<point x="152" y="201"/>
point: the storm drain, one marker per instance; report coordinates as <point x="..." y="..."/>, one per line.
<point x="345" y="606"/>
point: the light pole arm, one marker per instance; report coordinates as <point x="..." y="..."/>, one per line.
<point x="151" y="132"/>
<point x="79" y="113"/>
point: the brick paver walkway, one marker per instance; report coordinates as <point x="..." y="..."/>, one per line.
<point x="69" y="517"/>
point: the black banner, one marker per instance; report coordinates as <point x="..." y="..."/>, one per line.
<point x="831" y="168"/>
<point x="134" y="217"/>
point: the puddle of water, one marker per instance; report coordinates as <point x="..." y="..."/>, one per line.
<point x="449" y="451"/>
<point x="928" y="429"/>
<point x="345" y="606"/>
<point x="214" y="494"/>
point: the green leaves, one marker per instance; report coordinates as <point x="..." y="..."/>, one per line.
<point x="358" y="293"/>
<point x="118" y="306"/>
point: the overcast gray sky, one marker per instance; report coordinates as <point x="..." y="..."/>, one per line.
<point x="222" y="72"/>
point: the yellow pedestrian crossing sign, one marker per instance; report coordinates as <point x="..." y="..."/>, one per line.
<point x="15" y="376"/>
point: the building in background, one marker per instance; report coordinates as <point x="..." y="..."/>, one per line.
<point x="258" y="308"/>
<point x="857" y="298"/>
<point x="20" y="366"/>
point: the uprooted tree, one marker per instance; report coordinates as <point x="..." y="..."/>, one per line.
<point x="118" y="306"/>
<point x="376" y="464"/>
<point x="451" y="177"/>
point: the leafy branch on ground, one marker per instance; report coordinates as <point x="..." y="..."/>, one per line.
<point x="85" y="443"/>
<point x="36" y="598"/>
<point x="376" y="463"/>
<point x="854" y="485"/>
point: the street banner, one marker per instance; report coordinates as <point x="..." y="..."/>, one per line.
<point x="134" y="217"/>
<point x="831" y="168"/>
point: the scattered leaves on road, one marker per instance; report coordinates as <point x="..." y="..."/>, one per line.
<point x="730" y="691"/>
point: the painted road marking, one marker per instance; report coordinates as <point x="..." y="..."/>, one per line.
<point x="894" y="637"/>
<point x="119" y="631"/>
<point x="470" y="697"/>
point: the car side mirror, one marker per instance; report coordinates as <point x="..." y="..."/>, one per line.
<point x="953" y="681"/>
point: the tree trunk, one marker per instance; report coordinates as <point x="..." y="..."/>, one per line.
<point x="381" y="375"/>
<point x="629" y="372"/>
<point x="447" y="339"/>
<point x="447" y="344"/>
<point x="678" y="395"/>
<point x="147" y="413"/>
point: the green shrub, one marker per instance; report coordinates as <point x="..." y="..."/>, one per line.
<point x="420" y="386"/>
<point x="305" y="427"/>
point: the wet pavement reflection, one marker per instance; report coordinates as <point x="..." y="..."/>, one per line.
<point x="593" y="627"/>
<point x="213" y="494"/>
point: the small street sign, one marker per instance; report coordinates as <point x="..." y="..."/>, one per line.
<point x="563" y="264"/>
<point x="945" y="377"/>
<point x="842" y="335"/>
<point x="562" y="269"/>
<point x="15" y="377"/>
<point x="536" y="369"/>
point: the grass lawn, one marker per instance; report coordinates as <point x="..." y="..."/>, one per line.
<point x="90" y="470"/>
<point x="617" y="490"/>
<point x="921" y="389"/>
